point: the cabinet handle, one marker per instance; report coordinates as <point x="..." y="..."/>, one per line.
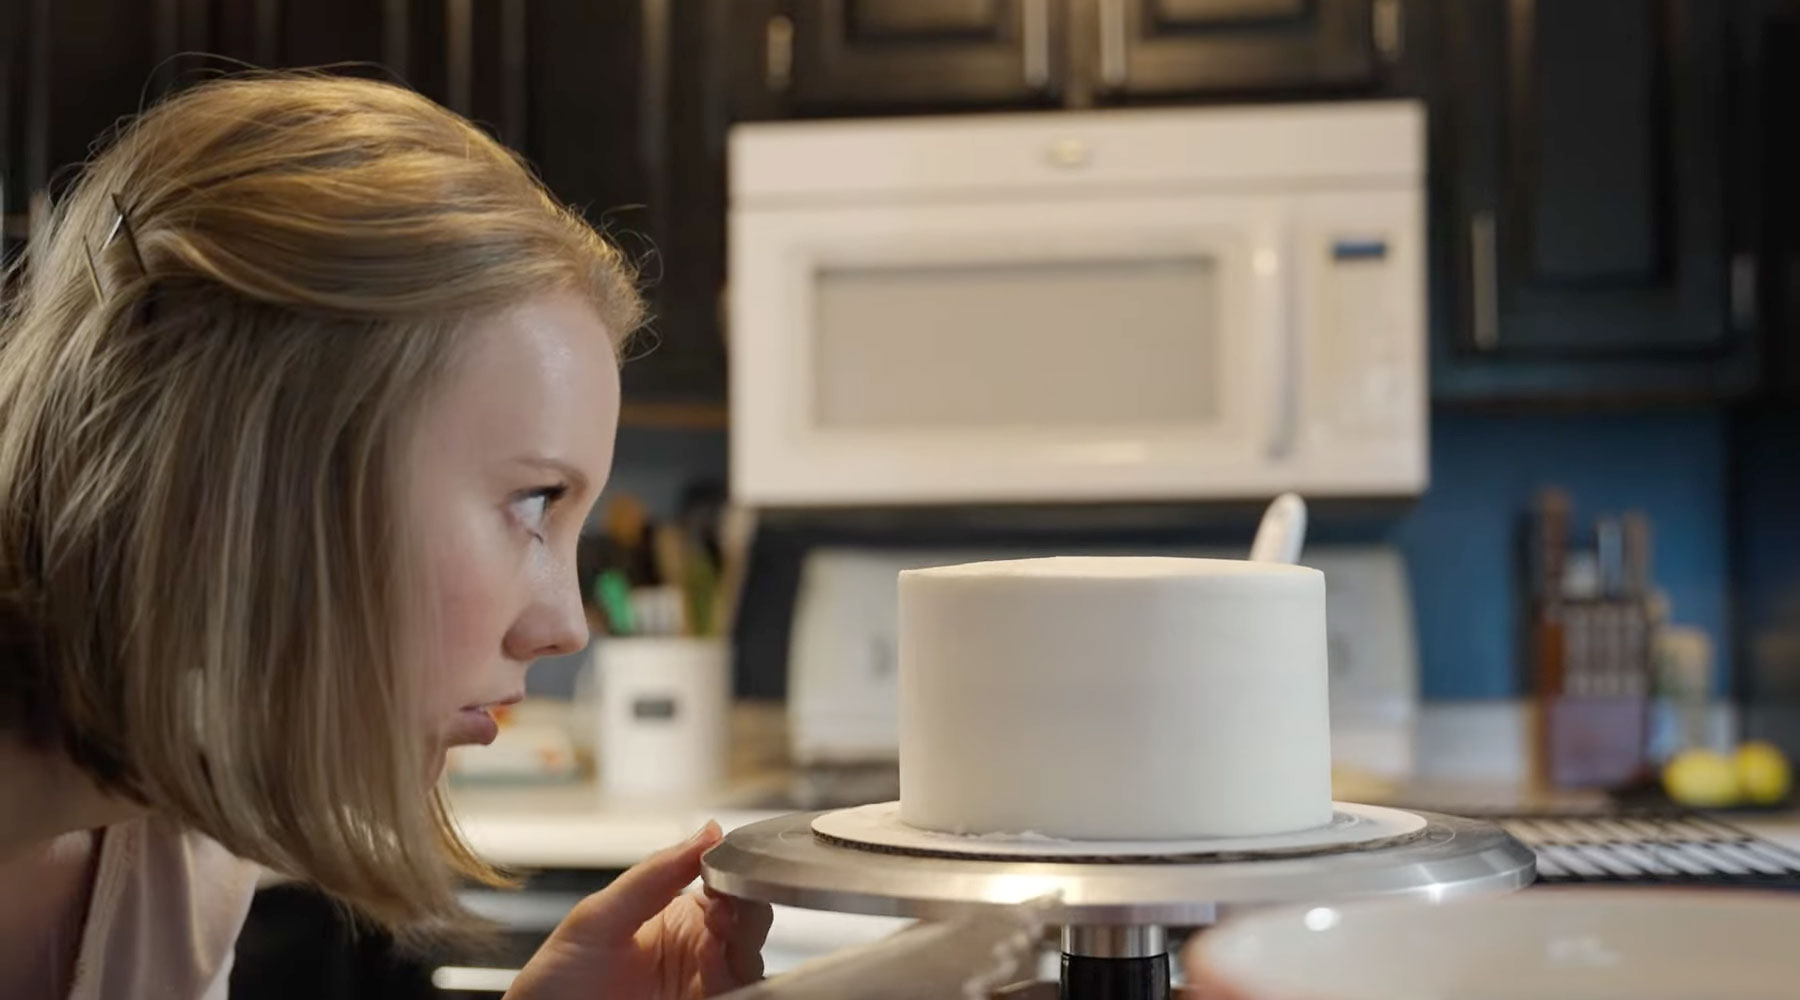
<point x="267" y="24"/>
<point x="653" y="80"/>
<point x="1485" y="290"/>
<point x="778" y="54"/>
<point x="1113" y="70"/>
<point x="396" y="42"/>
<point x="1035" y="27"/>
<point x="513" y="87"/>
<point x="459" y="45"/>
<point x="1743" y="292"/>
<point x="1386" y="26"/>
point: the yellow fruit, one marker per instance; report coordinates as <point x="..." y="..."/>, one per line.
<point x="1702" y="779"/>
<point x="1762" y="773"/>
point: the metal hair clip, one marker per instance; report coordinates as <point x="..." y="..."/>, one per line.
<point x="121" y="224"/>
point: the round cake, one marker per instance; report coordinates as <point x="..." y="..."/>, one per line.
<point x="1096" y="698"/>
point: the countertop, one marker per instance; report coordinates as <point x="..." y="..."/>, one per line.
<point x="573" y="826"/>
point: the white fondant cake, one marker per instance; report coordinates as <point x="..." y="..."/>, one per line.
<point x="1114" y="698"/>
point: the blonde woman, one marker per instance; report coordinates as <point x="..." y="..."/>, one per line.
<point x="303" y="401"/>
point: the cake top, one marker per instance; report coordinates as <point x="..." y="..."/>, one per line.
<point x="1225" y="571"/>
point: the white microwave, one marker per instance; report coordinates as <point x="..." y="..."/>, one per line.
<point x="1090" y="306"/>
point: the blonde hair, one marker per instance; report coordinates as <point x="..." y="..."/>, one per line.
<point x="205" y="583"/>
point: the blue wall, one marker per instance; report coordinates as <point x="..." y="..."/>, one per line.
<point x="656" y="465"/>
<point x="1459" y="540"/>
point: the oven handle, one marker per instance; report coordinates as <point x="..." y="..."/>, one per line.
<point x="1485" y="288"/>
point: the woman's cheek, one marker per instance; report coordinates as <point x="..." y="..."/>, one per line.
<point x="471" y="579"/>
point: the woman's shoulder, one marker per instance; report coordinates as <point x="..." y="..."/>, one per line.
<point x="194" y="866"/>
<point x="167" y="906"/>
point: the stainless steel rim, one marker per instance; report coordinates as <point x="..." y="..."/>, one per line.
<point x="781" y="861"/>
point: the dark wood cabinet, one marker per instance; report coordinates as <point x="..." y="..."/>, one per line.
<point x="73" y="69"/>
<point x="370" y="37"/>
<point x="1176" y="47"/>
<point x="1584" y="220"/>
<point x="15" y="192"/>
<point x="591" y="93"/>
<point x="559" y="80"/>
<point x="1608" y="207"/>
<point x="804" y="57"/>
<point x="593" y="96"/>
<point x="830" y="55"/>
<point x="1771" y="47"/>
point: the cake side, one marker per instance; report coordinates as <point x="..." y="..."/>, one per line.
<point x="1089" y="698"/>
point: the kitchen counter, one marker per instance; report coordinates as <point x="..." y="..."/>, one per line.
<point x="1475" y="753"/>
<point x="571" y="826"/>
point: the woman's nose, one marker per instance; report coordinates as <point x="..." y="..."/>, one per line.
<point x="554" y="625"/>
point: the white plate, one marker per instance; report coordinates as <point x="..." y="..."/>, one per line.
<point x="1544" y="944"/>
<point x="879" y="826"/>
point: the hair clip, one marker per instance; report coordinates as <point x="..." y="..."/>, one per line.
<point x="121" y="224"/>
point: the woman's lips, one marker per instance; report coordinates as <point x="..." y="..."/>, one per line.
<point x="473" y="725"/>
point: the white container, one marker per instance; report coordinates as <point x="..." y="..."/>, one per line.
<point x="1566" y="944"/>
<point x="664" y="713"/>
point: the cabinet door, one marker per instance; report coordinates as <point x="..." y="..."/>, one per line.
<point x="1173" y="47"/>
<point x="14" y="192"/>
<point x="849" y="54"/>
<point x="82" y="66"/>
<point x="1770" y="57"/>
<point x="1589" y="154"/>
<point x="365" y="37"/>
<point x="589" y="93"/>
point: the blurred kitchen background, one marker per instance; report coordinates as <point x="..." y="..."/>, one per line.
<point x="1509" y="290"/>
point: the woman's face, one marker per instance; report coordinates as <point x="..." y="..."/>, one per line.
<point x="513" y="451"/>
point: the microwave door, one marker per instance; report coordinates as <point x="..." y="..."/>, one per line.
<point x="1079" y="350"/>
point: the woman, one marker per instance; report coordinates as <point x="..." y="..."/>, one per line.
<point x="303" y="401"/>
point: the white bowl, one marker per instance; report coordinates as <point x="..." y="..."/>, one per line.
<point x="1546" y="944"/>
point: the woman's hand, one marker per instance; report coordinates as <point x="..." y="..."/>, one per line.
<point x="1202" y="984"/>
<point x="642" y="938"/>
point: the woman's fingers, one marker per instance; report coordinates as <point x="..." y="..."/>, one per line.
<point x="743" y="951"/>
<point x="616" y="912"/>
<point x="742" y="926"/>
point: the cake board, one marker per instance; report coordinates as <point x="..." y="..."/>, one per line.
<point x="1114" y="913"/>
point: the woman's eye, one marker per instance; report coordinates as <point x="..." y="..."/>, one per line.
<point x="531" y="510"/>
<point x="533" y="507"/>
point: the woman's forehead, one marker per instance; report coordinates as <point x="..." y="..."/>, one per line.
<point x="540" y="380"/>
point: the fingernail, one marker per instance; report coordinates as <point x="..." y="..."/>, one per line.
<point x="706" y="832"/>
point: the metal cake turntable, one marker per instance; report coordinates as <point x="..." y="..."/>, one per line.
<point x="1114" y="910"/>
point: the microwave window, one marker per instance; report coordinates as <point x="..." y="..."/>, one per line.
<point x="1072" y="343"/>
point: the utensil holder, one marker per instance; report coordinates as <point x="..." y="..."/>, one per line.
<point x="664" y="706"/>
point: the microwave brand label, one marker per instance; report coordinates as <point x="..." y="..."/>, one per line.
<point x="1344" y="251"/>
